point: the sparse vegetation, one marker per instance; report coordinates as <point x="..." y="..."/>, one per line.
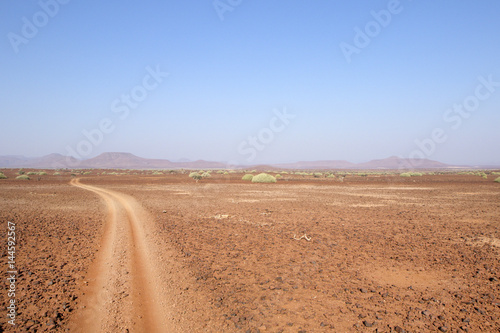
<point x="411" y="174"/>
<point x="20" y="172"/>
<point x="2" y="176"/>
<point x="31" y="173"/>
<point x="477" y="173"/>
<point x="206" y="174"/>
<point x="263" y="178"/>
<point x="497" y="180"/>
<point x="195" y="175"/>
<point x="42" y="173"/>
<point x="247" y="177"/>
<point x="23" y="177"/>
<point x="57" y="173"/>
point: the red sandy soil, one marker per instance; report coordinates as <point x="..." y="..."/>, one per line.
<point x="162" y="253"/>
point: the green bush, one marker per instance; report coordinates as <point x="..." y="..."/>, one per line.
<point x="42" y="173"/>
<point x="497" y="180"/>
<point x="206" y="175"/>
<point x="2" y="176"/>
<point x="23" y="177"/>
<point x="195" y="175"/>
<point x="415" y="174"/>
<point x="247" y="177"/>
<point x="263" y="178"/>
<point x="57" y="174"/>
<point x="405" y="174"/>
<point x="20" y="172"/>
<point x="31" y="173"/>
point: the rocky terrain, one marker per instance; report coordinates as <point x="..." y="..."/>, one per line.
<point x="380" y="253"/>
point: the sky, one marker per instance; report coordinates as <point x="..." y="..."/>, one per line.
<point x="251" y="82"/>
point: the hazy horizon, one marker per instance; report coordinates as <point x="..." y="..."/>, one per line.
<point x="413" y="164"/>
<point x="252" y="82"/>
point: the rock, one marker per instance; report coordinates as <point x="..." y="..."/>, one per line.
<point x="443" y="328"/>
<point x="368" y="324"/>
<point x="493" y="279"/>
<point x="426" y="313"/>
<point x="399" y="329"/>
<point x="29" y="323"/>
<point x="481" y="311"/>
<point x="363" y="290"/>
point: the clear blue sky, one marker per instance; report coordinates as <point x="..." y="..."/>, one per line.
<point x="228" y="77"/>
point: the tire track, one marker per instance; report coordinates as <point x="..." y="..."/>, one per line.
<point x="124" y="290"/>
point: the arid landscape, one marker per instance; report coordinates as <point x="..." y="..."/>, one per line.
<point x="250" y="166"/>
<point x="157" y="251"/>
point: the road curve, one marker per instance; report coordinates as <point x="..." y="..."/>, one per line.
<point x="124" y="291"/>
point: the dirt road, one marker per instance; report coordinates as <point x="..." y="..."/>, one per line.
<point x="124" y="291"/>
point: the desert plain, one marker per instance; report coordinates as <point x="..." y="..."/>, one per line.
<point x="135" y="251"/>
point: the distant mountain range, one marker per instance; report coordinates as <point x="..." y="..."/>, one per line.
<point x="130" y="161"/>
<point x="103" y="161"/>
